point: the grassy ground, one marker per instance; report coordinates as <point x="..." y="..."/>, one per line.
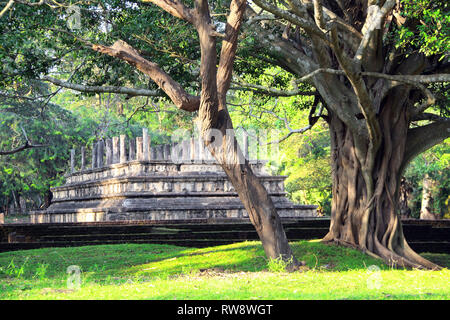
<point x="238" y="271"/>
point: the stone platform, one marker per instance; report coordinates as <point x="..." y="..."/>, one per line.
<point x="156" y="189"/>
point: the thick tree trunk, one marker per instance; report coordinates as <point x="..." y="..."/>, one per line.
<point x="366" y="217"/>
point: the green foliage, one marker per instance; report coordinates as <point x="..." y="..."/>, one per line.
<point x="11" y="270"/>
<point x="308" y="170"/>
<point x="39" y="40"/>
<point x="41" y="271"/>
<point x="435" y="163"/>
<point x="278" y="264"/>
<point x="428" y="29"/>
<point x="34" y="171"/>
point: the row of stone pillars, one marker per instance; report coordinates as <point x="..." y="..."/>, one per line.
<point x="114" y="150"/>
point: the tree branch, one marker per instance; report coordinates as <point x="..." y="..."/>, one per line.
<point x="130" y="92"/>
<point x="312" y="119"/>
<point x="176" y="93"/>
<point x="28" y="145"/>
<point x="209" y="100"/>
<point x="428" y="116"/>
<point x="364" y="101"/>
<point x="272" y="91"/>
<point x="229" y="46"/>
<point x="6" y="8"/>
<point x="175" y="8"/>
<point x="372" y="23"/>
<point x="318" y="15"/>
<point x="294" y="19"/>
<point x="423" y="138"/>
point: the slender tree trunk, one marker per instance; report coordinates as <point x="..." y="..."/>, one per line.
<point x="366" y="217"/>
<point x="254" y="196"/>
<point x="6" y="206"/>
<point x="213" y="117"/>
<point x="404" y="194"/>
<point x="47" y="199"/>
<point x="426" y="211"/>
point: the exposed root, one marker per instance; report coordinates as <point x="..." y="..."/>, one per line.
<point x="408" y="259"/>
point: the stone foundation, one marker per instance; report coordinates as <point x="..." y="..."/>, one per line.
<point x="155" y="189"/>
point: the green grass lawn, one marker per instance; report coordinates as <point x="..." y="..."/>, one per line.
<point x="237" y="271"/>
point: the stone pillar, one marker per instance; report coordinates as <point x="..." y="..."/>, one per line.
<point x="200" y="151"/>
<point x="175" y="152"/>
<point x="123" y="149"/>
<point x="72" y="160"/>
<point x="94" y="155"/>
<point x="245" y="146"/>
<point x="162" y="147"/>
<point x="167" y="155"/>
<point x="100" y="152"/>
<point x="152" y="153"/>
<point x="139" y="149"/>
<point x="83" y="158"/>
<point x="145" y="144"/>
<point x="186" y="145"/>
<point x="23" y="204"/>
<point x="159" y="152"/>
<point x="193" y="155"/>
<point x="12" y="208"/>
<point x="132" y="150"/>
<point x="208" y="154"/>
<point x="109" y="152"/>
<point x="204" y="150"/>
<point x="115" y="150"/>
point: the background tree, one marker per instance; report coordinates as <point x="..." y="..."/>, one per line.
<point x="428" y="176"/>
<point x="49" y="133"/>
<point x="29" y="173"/>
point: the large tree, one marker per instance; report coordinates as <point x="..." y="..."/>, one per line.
<point x="210" y="103"/>
<point x="377" y="95"/>
<point x="215" y="125"/>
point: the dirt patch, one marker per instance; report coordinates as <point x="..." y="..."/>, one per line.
<point x="50" y="290"/>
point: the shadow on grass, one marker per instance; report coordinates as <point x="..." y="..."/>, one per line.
<point x="441" y="259"/>
<point x="152" y="260"/>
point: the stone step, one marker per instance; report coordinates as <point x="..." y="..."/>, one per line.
<point x="303" y="233"/>
<point x="201" y="233"/>
<point x="163" y="195"/>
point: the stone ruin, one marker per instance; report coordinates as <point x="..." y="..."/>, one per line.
<point x="135" y="181"/>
